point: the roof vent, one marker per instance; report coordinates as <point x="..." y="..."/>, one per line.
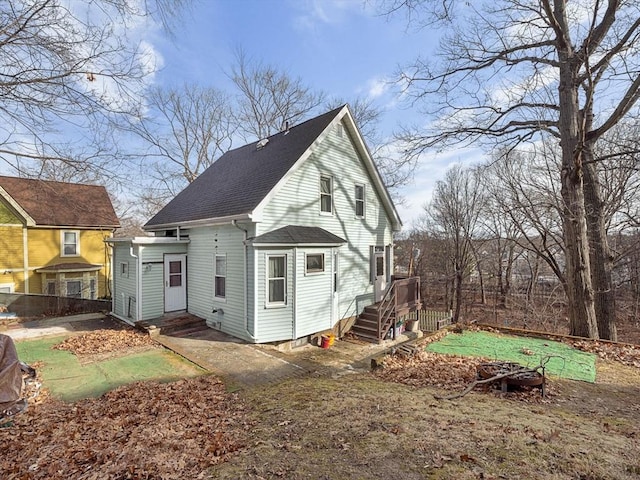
<point x="286" y="127"/>
<point x="262" y="143"/>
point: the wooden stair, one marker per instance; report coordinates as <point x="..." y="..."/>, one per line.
<point x="375" y="321"/>
<point x="177" y="326"/>
<point x="366" y="325"/>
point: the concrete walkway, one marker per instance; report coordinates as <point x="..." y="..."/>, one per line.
<point x="71" y="324"/>
<point x="243" y="365"/>
<point x="239" y="364"/>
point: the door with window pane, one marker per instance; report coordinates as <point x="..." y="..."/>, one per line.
<point x="175" y="282"/>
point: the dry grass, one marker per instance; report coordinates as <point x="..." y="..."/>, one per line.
<point x="361" y="427"/>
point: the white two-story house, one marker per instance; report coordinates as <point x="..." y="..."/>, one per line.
<point x="277" y="240"/>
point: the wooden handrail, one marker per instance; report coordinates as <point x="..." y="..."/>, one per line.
<point x="389" y="306"/>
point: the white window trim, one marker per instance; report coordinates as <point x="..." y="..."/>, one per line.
<point x="267" y="303"/>
<point x="364" y="201"/>
<point x="62" y="243"/>
<point x="216" y="297"/>
<point x="314" y="272"/>
<point x="330" y="177"/>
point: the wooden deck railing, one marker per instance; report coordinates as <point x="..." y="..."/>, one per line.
<point x="402" y="297"/>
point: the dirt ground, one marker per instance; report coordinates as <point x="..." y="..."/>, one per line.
<point x="385" y="424"/>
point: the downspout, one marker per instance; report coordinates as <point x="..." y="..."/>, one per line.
<point x="245" y="280"/>
<point x="138" y="283"/>
<point x="25" y="258"/>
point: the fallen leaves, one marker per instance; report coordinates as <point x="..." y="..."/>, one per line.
<point x="449" y="372"/>
<point x="105" y="341"/>
<point x="427" y="368"/>
<point x="145" y="430"/>
<point x="623" y="353"/>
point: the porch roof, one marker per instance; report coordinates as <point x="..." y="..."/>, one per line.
<point x="69" y="267"/>
<point x="298" y="235"/>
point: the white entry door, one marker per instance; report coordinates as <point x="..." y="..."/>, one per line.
<point x="380" y="279"/>
<point x="175" y="282"/>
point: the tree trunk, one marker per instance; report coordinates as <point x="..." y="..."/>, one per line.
<point x="458" y="296"/>
<point x="599" y="251"/>
<point x="582" y="315"/>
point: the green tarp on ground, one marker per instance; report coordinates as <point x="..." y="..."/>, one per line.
<point x="68" y="380"/>
<point x="563" y="360"/>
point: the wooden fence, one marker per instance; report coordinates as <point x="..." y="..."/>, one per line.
<point x="430" y="320"/>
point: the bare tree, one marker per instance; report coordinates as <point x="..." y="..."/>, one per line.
<point x="512" y="70"/>
<point x="269" y="98"/>
<point x="454" y="211"/>
<point x="185" y="131"/>
<point x="70" y="71"/>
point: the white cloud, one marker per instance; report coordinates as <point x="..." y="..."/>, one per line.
<point x="316" y="13"/>
<point x="377" y="87"/>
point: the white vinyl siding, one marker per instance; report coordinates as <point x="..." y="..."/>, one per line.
<point x="125" y="295"/>
<point x="124" y="286"/>
<point x="274" y="324"/>
<point x="297" y="202"/>
<point x="314" y="295"/>
<point x="205" y="244"/>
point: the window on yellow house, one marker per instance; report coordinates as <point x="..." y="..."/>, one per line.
<point x="70" y="243"/>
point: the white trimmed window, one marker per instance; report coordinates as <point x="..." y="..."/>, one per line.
<point x="359" y="201"/>
<point x="92" y="289"/>
<point x="70" y="243"/>
<point x="315" y="262"/>
<point x="276" y="279"/>
<point x="51" y="287"/>
<point x="220" y="277"/>
<point x="326" y="194"/>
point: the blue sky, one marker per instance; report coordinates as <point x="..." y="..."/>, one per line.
<point x="342" y="47"/>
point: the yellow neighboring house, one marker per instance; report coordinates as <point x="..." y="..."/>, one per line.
<point x="52" y="238"/>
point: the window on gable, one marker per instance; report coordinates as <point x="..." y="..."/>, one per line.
<point x="315" y="262"/>
<point x="70" y="243"/>
<point x="220" y="281"/>
<point x="359" y="198"/>
<point x="276" y="279"/>
<point x="326" y="194"/>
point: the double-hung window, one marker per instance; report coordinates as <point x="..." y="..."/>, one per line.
<point x="70" y="243"/>
<point x="359" y="199"/>
<point x="276" y="280"/>
<point x="220" y="283"/>
<point x="326" y="194"/>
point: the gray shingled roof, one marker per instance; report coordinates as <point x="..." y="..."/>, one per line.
<point x="296" y="234"/>
<point x="62" y="204"/>
<point x="239" y="180"/>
